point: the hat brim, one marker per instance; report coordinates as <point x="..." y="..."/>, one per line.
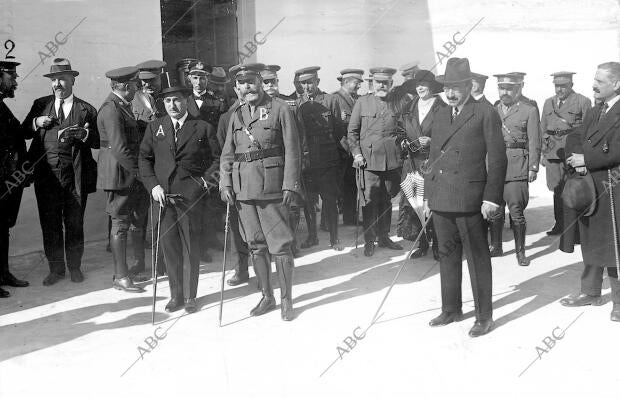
<point x="198" y="73"/>
<point x="441" y="79"/>
<point x="174" y="89"/>
<point x="64" y="72"/>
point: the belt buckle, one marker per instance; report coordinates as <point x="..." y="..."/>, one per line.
<point x="247" y="156"/>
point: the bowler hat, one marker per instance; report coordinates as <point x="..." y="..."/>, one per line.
<point x="171" y="85"/>
<point x="457" y="71"/>
<point x="61" y="66"/>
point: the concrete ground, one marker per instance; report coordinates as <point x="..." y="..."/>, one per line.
<point x="88" y="340"/>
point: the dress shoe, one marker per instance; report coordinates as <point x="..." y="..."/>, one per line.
<point x="76" y="275"/>
<point x="369" y="249"/>
<point x="286" y="310"/>
<point x="446" y="318"/>
<point x="191" y="306"/>
<point x="9" y="279"/>
<point x="336" y="245"/>
<point x="481" y="328"/>
<point x="419" y="252"/>
<point x="556" y="230"/>
<point x="311" y="241"/>
<point x="386" y="242"/>
<point x="238" y="278"/>
<point x="52" y="278"/>
<point x="581" y="300"/>
<point x="4" y="293"/>
<point x="435" y="249"/>
<point x="174" y="305"/>
<point x="138" y="274"/>
<point x="266" y="304"/>
<point x="615" y="313"/>
<point x="126" y="284"/>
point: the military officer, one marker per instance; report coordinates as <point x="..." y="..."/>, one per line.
<point x="298" y="90"/>
<point x="372" y="139"/>
<point x="64" y="129"/>
<point x="12" y="165"/>
<point x="205" y="105"/>
<point x="478" y="81"/>
<point x="520" y="128"/>
<point x="520" y="78"/>
<point x="145" y="106"/>
<point x="350" y="82"/>
<point x="260" y="175"/>
<point x="324" y="134"/>
<point x="409" y="69"/>
<point x="117" y="173"/>
<point x="369" y="82"/>
<point x="174" y="160"/>
<point x="561" y="114"/>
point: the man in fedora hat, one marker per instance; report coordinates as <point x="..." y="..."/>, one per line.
<point x="561" y="115"/>
<point x="372" y="136"/>
<point x="127" y="202"/>
<point x="13" y="166"/>
<point x="175" y="160"/>
<point x="521" y="132"/>
<point x="63" y="129"/>
<point x="350" y="81"/>
<point x="600" y="141"/>
<point x="461" y="190"/>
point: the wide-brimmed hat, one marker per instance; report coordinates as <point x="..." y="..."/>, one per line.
<point x="218" y="75"/>
<point x="580" y="194"/>
<point x="61" y="66"/>
<point x="457" y="71"/>
<point x="423" y="75"/>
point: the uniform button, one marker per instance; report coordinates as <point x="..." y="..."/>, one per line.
<point x="590" y="141"/>
<point x="440" y="171"/>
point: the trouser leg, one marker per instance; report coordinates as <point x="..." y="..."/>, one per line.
<point x="592" y="280"/>
<point x="73" y="214"/>
<point x="50" y="205"/>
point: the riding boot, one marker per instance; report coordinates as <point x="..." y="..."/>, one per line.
<point x="241" y="271"/>
<point x="310" y="216"/>
<point x="519" y="231"/>
<point x="293" y="223"/>
<point x="284" y="267"/>
<point x="262" y="269"/>
<point x="121" y="280"/>
<point x="422" y="247"/>
<point x="332" y="224"/>
<point x="495" y="227"/>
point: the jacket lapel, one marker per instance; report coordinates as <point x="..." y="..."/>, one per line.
<point x="463" y="117"/>
<point x="188" y="129"/>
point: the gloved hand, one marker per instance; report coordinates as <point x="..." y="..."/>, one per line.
<point x="359" y="162"/>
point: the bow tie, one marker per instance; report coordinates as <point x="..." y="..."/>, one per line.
<point x="200" y="97"/>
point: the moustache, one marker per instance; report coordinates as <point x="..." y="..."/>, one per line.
<point x="58" y="88"/>
<point x="452" y="98"/>
<point x="596" y="90"/>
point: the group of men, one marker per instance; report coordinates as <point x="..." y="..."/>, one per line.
<point x="170" y="145"/>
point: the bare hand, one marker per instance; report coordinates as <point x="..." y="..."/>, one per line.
<point x="488" y="210"/>
<point x="532" y="176"/>
<point x="228" y="195"/>
<point x="43" y="121"/>
<point x="159" y="195"/>
<point x="424" y="141"/>
<point x="359" y="162"/>
<point x="288" y="198"/>
<point x="426" y="210"/>
<point x="576" y="160"/>
<point x="581" y="170"/>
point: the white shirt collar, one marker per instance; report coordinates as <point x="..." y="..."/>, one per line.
<point x="612" y="101"/>
<point x="122" y="99"/>
<point x="181" y="121"/>
<point x="67" y="101"/>
<point x="477" y="97"/>
<point x="200" y="93"/>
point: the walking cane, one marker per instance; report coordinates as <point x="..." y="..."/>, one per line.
<point x="613" y="220"/>
<point x="359" y="177"/>
<point x="224" y="262"/>
<point x="154" y="266"/>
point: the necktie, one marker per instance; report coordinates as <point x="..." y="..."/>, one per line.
<point x="603" y="111"/>
<point x="61" y="112"/>
<point x="455" y="113"/>
<point x="560" y="103"/>
<point x="177" y="127"/>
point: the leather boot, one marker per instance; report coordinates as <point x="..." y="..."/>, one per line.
<point x="495" y="227"/>
<point x="293" y="223"/>
<point x="262" y="270"/>
<point x="422" y="247"/>
<point x="519" y="231"/>
<point x="241" y="271"/>
<point x="137" y="271"/>
<point x="121" y="281"/>
<point x="332" y="224"/>
<point x="312" y="239"/>
<point x="284" y="267"/>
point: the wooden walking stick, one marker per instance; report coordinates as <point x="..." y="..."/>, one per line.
<point x="154" y="270"/>
<point x="224" y="261"/>
<point x="613" y="218"/>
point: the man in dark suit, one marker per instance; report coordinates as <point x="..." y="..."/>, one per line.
<point x="175" y="159"/>
<point x="127" y="200"/>
<point x="14" y="168"/>
<point x="64" y="129"/>
<point x="478" y="81"/>
<point x="601" y="157"/>
<point x="461" y="190"/>
<point x="260" y="175"/>
<point x="372" y="138"/>
<point x="350" y="82"/>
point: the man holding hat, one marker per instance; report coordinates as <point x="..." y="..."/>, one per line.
<point x="13" y="163"/>
<point x="145" y="106"/>
<point x="463" y="185"/>
<point x="561" y="115"/>
<point x="63" y="128"/>
<point x="319" y="116"/>
<point x="600" y="141"/>
<point x="372" y="139"/>
<point x="350" y="82"/>
<point x="520" y="128"/>
<point x="118" y="175"/>
<point x="478" y="81"/>
<point x="175" y="161"/>
<point x="260" y="172"/>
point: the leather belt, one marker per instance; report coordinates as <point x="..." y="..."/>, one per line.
<point x="257" y="155"/>
<point x="104" y="144"/>
<point x="558" y="133"/>
<point x="519" y="145"/>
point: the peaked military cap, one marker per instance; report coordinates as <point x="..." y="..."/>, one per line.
<point x="351" y="72"/>
<point x="8" y="66"/>
<point x="382" y="73"/>
<point x="562" y="77"/>
<point x="123" y="74"/>
<point x="479" y="77"/>
<point x="270" y="72"/>
<point x="242" y="71"/>
<point x="409" y="69"/>
<point x="307" y="73"/>
<point x="198" y="68"/>
<point x="508" y="78"/>
<point x="150" y="69"/>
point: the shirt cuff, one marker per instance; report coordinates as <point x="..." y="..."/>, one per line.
<point x="34" y="124"/>
<point x="489" y="202"/>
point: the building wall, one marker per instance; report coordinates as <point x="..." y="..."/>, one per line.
<point x="107" y="34"/>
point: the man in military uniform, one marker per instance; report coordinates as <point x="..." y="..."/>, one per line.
<point x="260" y="175"/>
<point x="177" y="180"/>
<point x="64" y="129"/>
<point x="324" y="134"/>
<point x="298" y="90"/>
<point x="145" y="106"/>
<point x="205" y="105"/>
<point x="478" y="81"/>
<point x="520" y="128"/>
<point x="561" y="114"/>
<point x="13" y="167"/>
<point x="409" y="69"/>
<point x="118" y="175"/>
<point x="372" y="139"/>
<point x="350" y="82"/>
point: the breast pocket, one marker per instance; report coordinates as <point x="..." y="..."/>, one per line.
<point x="274" y="175"/>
